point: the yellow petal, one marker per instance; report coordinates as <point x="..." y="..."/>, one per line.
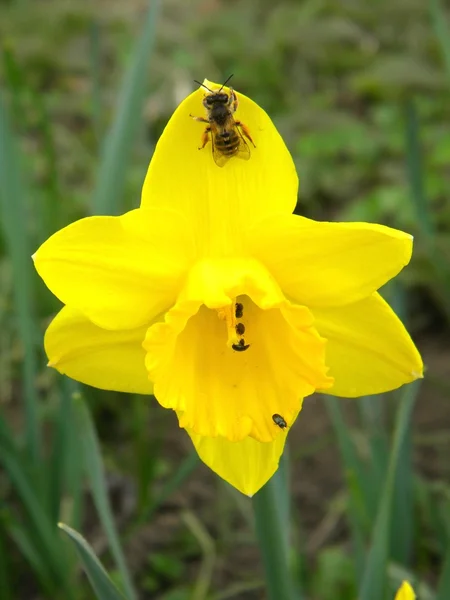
<point x="220" y="390"/>
<point x="328" y="264"/>
<point x="220" y="202"/>
<point x="405" y="592"/>
<point x="369" y="350"/>
<point x="109" y="360"/>
<point x="119" y="271"/>
<point x="247" y="465"/>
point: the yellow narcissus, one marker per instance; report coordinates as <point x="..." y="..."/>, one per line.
<point x="217" y="299"/>
<point x="405" y="592"/>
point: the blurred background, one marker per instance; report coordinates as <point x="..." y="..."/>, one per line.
<point x="360" y="92"/>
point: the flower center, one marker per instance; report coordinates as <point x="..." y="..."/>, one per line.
<point x="233" y="315"/>
<point x="233" y="352"/>
<point x="228" y="376"/>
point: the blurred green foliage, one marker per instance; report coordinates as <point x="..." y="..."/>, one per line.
<point x="334" y="76"/>
<point x="361" y="95"/>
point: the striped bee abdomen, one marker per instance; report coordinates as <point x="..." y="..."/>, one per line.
<point x="228" y="142"/>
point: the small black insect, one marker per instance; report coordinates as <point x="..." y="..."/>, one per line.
<point x="241" y="346"/>
<point x="239" y="310"/>
<point x="240" y="328"/>
<point x="278" y="420"/>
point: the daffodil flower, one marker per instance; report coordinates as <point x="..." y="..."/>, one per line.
<point x="405" y="592"/>
<point x="217" y="299"/>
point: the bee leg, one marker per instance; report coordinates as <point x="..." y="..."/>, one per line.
<point x="201" y="119"/>
<point x="233" y="101"/>
<point x="245" y="130"/>
<point x="205" y="138"/>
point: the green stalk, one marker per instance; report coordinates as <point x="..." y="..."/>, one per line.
<point x="374" y="577"/>
<point x="13" y="219"/>
<point x="356" y="479"/>
<point x="419" y="201"/>
<point x="272" y="530"/>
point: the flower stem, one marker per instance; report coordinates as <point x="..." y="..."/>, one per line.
<point x="270" y="506"/>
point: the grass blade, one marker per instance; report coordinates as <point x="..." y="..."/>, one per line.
<point x="74" y="475"/>
<point x="39" y="527"/>
<point x="94" y="466"/>
<point x="14" y="81"/>
<point x="101" y="583"/>
<point x="60" y="451"/>
<point x="414" y="169"/>
<point x="438" y="19"/>
<point x="271" y="529"/>
<point x="415" y="173"/>
<point x="356" y="481"/>
<point x="208" y="550"/>
<point x="443" y="591"/>
<point x="13" y="219"/>
<point x="5" y="581"/>
<point x="49" y="216"/>
<point x="33" y="554"/>
<point x="118" y="143"/>
<point x="374" y="577"/>
<point x="186" y="468"/>
<point x="95" y="67"/>
<point x="402" y="523"/>
<point x="371" y="416"/>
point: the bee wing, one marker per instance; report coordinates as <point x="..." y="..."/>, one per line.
<point x="243" y="150"/>
<point x="219" y="158"/>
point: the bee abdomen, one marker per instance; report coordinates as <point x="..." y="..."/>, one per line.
<point x="227" y="143"/>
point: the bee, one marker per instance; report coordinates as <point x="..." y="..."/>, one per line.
<point x="239" y="310"/>
<point x="278" y="420"/>
<point x="227" y="134"/>
<point x="241" y="346"/>
<point x="240" y="328"/>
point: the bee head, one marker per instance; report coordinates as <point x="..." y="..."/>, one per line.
<point x="215" y="98"/>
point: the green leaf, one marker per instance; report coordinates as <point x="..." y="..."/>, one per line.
<point x="402" y="522"/>
<point x="60" y="451"/>
<point x="334" y="575"/>
<point x="119" y="141"/>
<point x="371" y="408"/>
<point x="5" y="578"/>
<point x="101" y="582"/>
<point x="443" y="591"/>
<point x="272" y="529"/>
<point x="95" y="68"/>
<point x="415" y="173"/>
<point x="94" y="466"/>
<point x="14" y="219"/>
<point x="424" y="217"/>
<point x="15" y="82"/>
<point x="374" y="577"/>
<point x="356" y="481"/>
<point x="32" y="552"/>
<point x="438" y="18"/>
<point x="39" y="535"/>
<point x="178" y="477"/>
